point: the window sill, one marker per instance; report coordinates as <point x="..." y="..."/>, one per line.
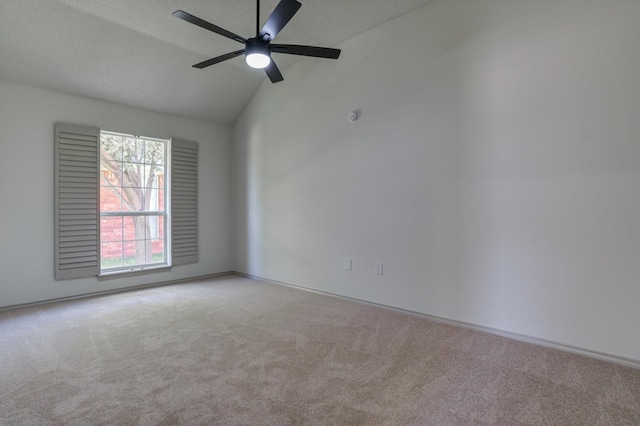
<point x="133" y="272"/>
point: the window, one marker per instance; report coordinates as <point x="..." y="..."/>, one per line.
<point x="133" y="210"/>
<point x="122" y="202"/>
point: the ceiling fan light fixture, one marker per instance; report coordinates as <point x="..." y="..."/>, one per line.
<point x="258" y="55"/>
<point x="258" y="60"/>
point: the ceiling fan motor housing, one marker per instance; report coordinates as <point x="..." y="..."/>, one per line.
<point x="257" y="52"/>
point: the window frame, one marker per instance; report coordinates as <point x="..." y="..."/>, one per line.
<point x="165" y="214"/>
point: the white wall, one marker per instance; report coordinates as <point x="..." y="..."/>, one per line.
<point x="495" y="170"/>
<point x="27" y="115"/>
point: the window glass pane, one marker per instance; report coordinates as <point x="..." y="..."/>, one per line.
<point x="132" y="174"/>
<point x="151" y="175"/>
<point x="154" y="188"/>
<point x="110" y="199"/>
<point x="111" y="229"/>
<point x="134" y="253"/>
<point x="110" y="255"/>
<point x="161" y="222"/>
<point x="155" y="223"/>
<point x="110" y="173"/>
<point x="110" y="147"/>
<point x="155" y="251"/>
<point x="160" y="179"/>
<point x="129" y="253"/>
<point x="154" y="152"/>
<point x="129" y="233"/>
<point x="156" y="200"/>
<point x="133" y="199"/>
<point x="147" y="174"/>
<point x="161" y="200"/>
<point x="132" y="149"/>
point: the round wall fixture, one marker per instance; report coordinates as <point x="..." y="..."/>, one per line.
<point x="353" y="116"/>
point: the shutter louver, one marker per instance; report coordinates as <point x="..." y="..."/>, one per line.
<point x="184" y="202"/>
<point x="76" y="201"/>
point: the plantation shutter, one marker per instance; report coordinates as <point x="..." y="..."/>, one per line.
<point x="184" y="202"/>
<point x="76" y="198"/>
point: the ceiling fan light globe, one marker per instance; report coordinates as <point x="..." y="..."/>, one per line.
<point x="258" y="60"/>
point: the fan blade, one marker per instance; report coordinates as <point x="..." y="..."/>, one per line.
<point x="280" y="16"/>
<point x="218" y="59"/>
<point x="208" y="26"/>
<point x="273" y="72"/>
<point x="316" y="52"/>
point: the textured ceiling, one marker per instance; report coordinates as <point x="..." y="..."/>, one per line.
<point x="135" y="52"/>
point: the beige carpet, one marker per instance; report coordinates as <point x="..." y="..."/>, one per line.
<point x="233" y="351"/>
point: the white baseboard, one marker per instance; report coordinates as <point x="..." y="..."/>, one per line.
<point x="627" y="362"/>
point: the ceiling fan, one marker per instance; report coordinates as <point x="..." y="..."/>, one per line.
<point x="258" y="49"/>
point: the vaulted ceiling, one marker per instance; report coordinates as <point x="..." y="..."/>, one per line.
<point x="135" y="52"/>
